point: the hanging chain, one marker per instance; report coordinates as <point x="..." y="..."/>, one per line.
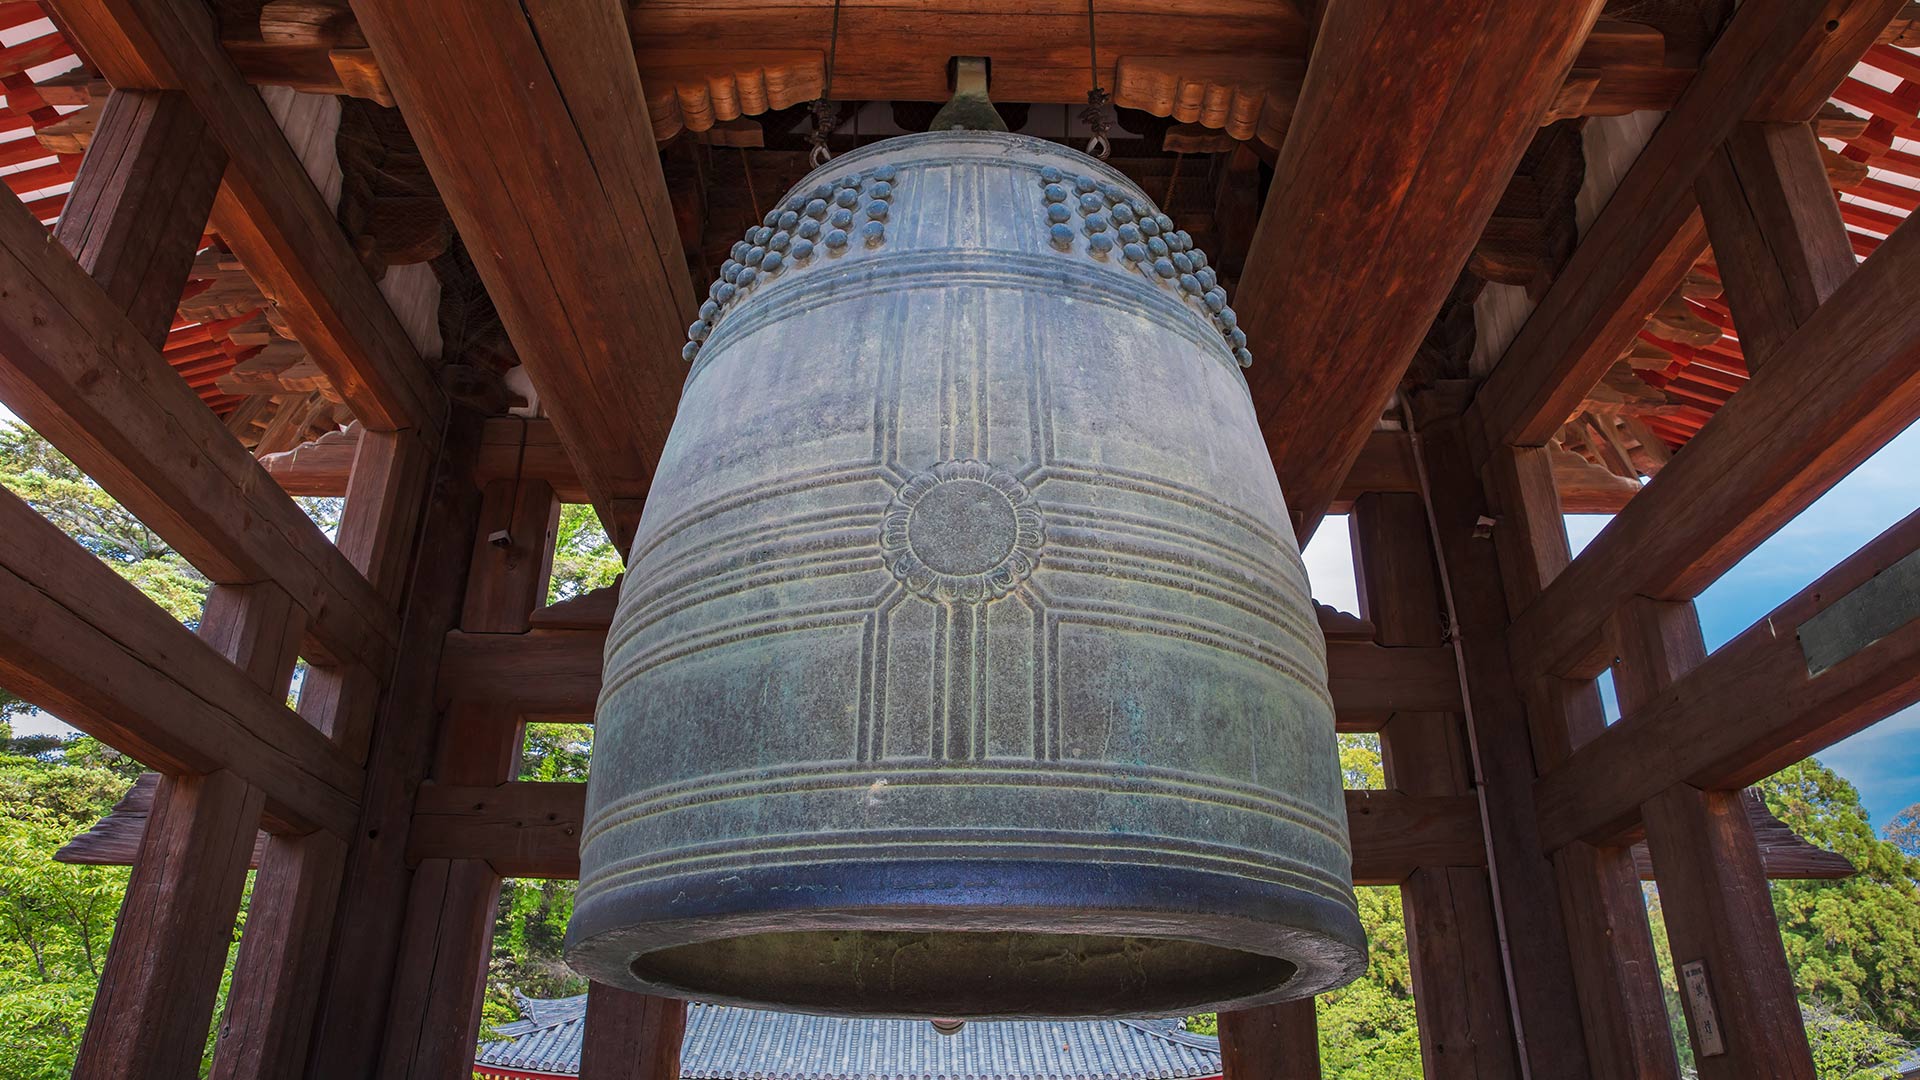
<point x="826" y="113"/>
<point x="1095" y="114"/>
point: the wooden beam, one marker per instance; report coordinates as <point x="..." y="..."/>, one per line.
<point x="86" y="646"/>
<point x="75" y="369"/>
<point x="1584" y="1005"/>
<point x="509" y="446"/>
<point x="140" y="202"/>
<point x="271" y="212"/>
<point x="528" y="829"/>
<point x="282" y="963"/>
<point x="1453" y="934"/>
<point x="507" y="577"/>
<point x="1272" y="1042"/>
<point x="434" y="1004"/>
<point x="1843" y="385"/>
<point x="631" y="1036"/>
<point x="545" y="159"/>
<point x="162" y="971"/>
<point x="115" y="838"/>
<point x="366" y="938"/>
<point x="1755" y="706"/>
<point x="1778" y="240"/>
<point x="1742" y="1010"/>
<point x="556" y="673"/>
<point x="1648" y="235"/>
<point x="1384" y="186"/>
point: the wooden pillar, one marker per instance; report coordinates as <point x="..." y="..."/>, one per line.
<point x="1453" y="942"/>
<point x="1585" y="1002"/>
<point x="138" y="207"/>
<point x="162" y="973"/>
<point x="1777" y="235"/>
<point x="632" y="1036"/>
<point x="1272" y="1042"/>
<point x="442" y="968"/>
<point x="268" y="1025"/>
<point x="1742" y="1012"/>
<point x="353" y="1009"/>
<point x="140" y="202"/>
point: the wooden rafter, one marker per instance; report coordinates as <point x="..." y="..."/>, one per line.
<point x="1767" y="66"/>
<point x="269" y="211"/>
<point x="1843" y="385"/>
<point x="1383" y="187"/>
<point x="85" y="645"/>
<point x="547" y="165"/>
<point x="75" y="368"/>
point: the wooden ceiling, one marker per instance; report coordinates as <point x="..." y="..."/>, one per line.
<point x="1386" y="185"/>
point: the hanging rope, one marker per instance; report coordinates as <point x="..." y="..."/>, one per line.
<point x="1095" y="114"/>
<point x="826" y="114"/>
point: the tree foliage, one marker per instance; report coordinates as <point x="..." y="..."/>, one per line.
<point x="43" y="477"/>
<point x="1853" y="944"/>
<point x="1903" y="831"/>
<point x="55" y="919"/>
<point x="583" y="558"/>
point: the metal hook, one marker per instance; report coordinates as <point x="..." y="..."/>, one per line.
<point x="1099" y="147"/>
<point x="820" y="154"/>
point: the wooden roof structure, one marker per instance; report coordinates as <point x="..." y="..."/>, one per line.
<point x="1500" y="259"/>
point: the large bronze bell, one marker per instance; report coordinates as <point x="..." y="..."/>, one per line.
<point x="965" y="664"/>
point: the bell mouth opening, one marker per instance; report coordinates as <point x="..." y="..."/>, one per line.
<point x="965" y="973"/>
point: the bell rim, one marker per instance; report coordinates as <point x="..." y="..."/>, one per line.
<point x="1320" y="938"/>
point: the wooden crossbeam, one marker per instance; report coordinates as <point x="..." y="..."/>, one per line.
<point x="161" y="977"/>
<point x="115" y="839"/>
<point x="1778" y="239"/>
<point x="555" y="674"/>
<point x="1384" y="187"/>
<point x="1737" y="991"/>
<point x="75" y="369"/>
<point x="1769" y="63"/>
<point x="85" y="645"/>
<point x="1791" y="684"/>
<point x="546" y="162"/>
<point x="532" y="829"/>
<point x="509" y="447"/>
<point x="274" y="218"/>
<point x="1843" y="385"/>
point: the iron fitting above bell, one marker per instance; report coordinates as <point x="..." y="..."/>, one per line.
<point x="965" y="664"/>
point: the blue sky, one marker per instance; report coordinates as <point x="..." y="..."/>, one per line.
<point x="1882" y="761"/>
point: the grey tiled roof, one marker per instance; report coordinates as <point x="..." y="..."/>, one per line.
<point x="727" y="1043"/>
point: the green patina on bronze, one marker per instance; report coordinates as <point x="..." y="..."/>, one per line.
<point x="965" y="664"/>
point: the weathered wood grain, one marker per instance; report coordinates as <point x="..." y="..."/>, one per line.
<point x="75" y="368"/>
<point x="1648" y="235"/>
<point x="545" y="159"/>
<point x="1843" y="385"/>
<point x="1384" y="185"/>
<point x="86" y="646"/>
<point x="269" y="209"/>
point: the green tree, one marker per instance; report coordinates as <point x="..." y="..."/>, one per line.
<point x="530" y="923"/>
<point x="1903" y="831"/>
<point x="1853" y="944"/>
<point x="55" y="919"/>
<point x="583" y="558"/>
<point x="43" y="477"/>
